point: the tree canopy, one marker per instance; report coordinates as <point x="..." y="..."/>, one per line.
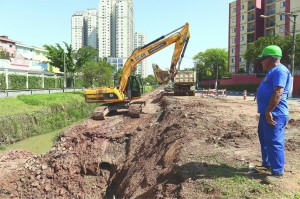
<point x="3" y="54"/>
<point x="211" y="62"/>
<point x="97" y="73"/>
<point x="285" y="43"/>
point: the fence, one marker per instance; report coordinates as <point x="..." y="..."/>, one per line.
<point x="14" y="93"/>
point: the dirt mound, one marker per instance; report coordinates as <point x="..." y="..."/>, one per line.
<point x="167" y="153"/>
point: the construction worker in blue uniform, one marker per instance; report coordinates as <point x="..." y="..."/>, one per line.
<point x="272" y="106"/>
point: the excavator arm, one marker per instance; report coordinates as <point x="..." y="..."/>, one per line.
<point x="180" y="39"/>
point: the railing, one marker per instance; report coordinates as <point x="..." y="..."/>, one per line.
<point x="270" y="1"/>
<point x="250" y="29"/>
<point x="14" y="93"/>
<point x="270" y="12"/>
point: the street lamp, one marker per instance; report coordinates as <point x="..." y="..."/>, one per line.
<point x="289" y="15"/>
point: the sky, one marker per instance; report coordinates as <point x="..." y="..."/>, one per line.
<point x="39" y="22"/>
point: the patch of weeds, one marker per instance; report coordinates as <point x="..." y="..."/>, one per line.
<point x="295" y="196"/>
<point x="234" y="182"/>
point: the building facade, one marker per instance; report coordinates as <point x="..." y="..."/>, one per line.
<point x="23" y="57"/>
<point x="84" y="29"/>
<point x="246" y="25"/>
<point x="140" y="39"/>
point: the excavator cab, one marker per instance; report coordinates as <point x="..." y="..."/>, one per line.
<point x="136" y="87"/>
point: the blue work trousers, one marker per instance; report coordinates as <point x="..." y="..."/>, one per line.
<point x="271" y="139"/>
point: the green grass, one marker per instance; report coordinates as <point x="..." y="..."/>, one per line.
<point x="31" y="115"/>
<point x="14" y="106"/>
<point x="37" y="144"/>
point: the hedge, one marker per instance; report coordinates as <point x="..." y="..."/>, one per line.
<point x="2" y="82"/>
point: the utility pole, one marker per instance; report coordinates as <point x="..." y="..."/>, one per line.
<point x="65" y="83"/>
<point x="289" y="15"/>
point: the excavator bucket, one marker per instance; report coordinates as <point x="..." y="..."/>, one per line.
<point x="161" y="75"/>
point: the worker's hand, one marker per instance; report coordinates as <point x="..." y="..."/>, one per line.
<point x="269" y="118"/>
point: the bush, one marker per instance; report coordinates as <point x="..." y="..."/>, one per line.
<point x="34" y="82"/>
<point x="49" y="82"/>
<point x="16" y="81"/>
<point x="2" y="82"/>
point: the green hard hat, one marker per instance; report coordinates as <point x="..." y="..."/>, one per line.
<point x="271" y="51"/>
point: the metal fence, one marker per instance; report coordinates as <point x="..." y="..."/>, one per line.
<point x="14" y="93"/>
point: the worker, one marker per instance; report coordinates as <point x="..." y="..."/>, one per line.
<point x="273" y="109"/>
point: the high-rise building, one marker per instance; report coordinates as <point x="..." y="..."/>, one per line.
<point x="246" y="25"/>
<point x="124" y="31"/>
<point x="90" y="27"/>
<point x="84" y="29"/>
<point x="105" y="28"/>
<point x="116" y="28"/>
<point x="140" y="39"/>
<point x="77" y="30"/>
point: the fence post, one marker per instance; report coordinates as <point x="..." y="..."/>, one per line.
<point x="6" y="78"/>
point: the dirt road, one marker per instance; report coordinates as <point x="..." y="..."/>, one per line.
<point x="181" y="147"/>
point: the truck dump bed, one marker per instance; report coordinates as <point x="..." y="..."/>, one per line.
<point x="185" y="77"/>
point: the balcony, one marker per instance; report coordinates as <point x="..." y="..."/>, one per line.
<point x="270" y="24"/>
<point x="251" y="17"/>
<point x="270" y="12"/>
<point x="251" y="7"/>
<point x="250" y="29"/>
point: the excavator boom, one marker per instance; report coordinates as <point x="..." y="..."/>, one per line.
<point x="130" y="86"/>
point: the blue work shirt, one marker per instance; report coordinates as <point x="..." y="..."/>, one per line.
<point x="277" y="76"/>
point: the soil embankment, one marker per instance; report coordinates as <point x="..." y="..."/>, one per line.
<point x="181" y="147"/>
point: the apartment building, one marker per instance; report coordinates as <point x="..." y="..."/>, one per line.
<point x="140" y="39"/>
<point x="77" y="30"/>
<point x="246" y="25"/>
<point x="84" y="29"/>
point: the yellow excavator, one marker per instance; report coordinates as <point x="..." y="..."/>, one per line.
<point x="130" y="89"/>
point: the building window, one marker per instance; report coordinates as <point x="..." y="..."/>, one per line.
<point x="242" y="17"/>
<point x="281" y="29"/>
<point x="233" y="10"/>
<point x="282" y="4"/>
<point x="233" y="40"/>
<point x="233" y="20"/>
<point x="282" y="17"/>
<point x="242" y="7"/>
<point x="242" y="28"/>
<point x="242" y="38"/>
<point x="232" y="60"/>
<point x="233" y="29"/>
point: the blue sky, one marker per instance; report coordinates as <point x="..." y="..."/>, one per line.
<point x="39" y="22"/>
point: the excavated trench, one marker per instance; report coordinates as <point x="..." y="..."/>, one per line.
<point x="165" y="153"/>
<point x="118" y="157"/>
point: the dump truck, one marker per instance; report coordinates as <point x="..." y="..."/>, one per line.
<point x="184" y="83"/>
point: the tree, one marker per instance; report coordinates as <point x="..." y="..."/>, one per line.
<point x="254" y="49"/>
<point x="4" y="54"/>
<point x="61" y="59"/>
<point x="151" y="80"/>
<point x="85" y="54"/>
<point x="211" y="62"/>
<point x="97" y="73"/>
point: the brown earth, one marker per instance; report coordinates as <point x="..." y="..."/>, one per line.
<point x="178" y="147"/>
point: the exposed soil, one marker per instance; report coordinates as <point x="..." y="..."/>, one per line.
<point x="164" y="154"/>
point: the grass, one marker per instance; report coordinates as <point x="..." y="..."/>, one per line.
<point x="31" y="115"/>
<point x="232" y="180"/>
<point x="14" y="106"/>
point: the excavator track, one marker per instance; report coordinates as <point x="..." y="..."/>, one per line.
<point x="135" y="109"/>
<point x="100" y="112"/>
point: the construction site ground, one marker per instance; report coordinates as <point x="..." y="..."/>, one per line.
<point x="180" y="147"/>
